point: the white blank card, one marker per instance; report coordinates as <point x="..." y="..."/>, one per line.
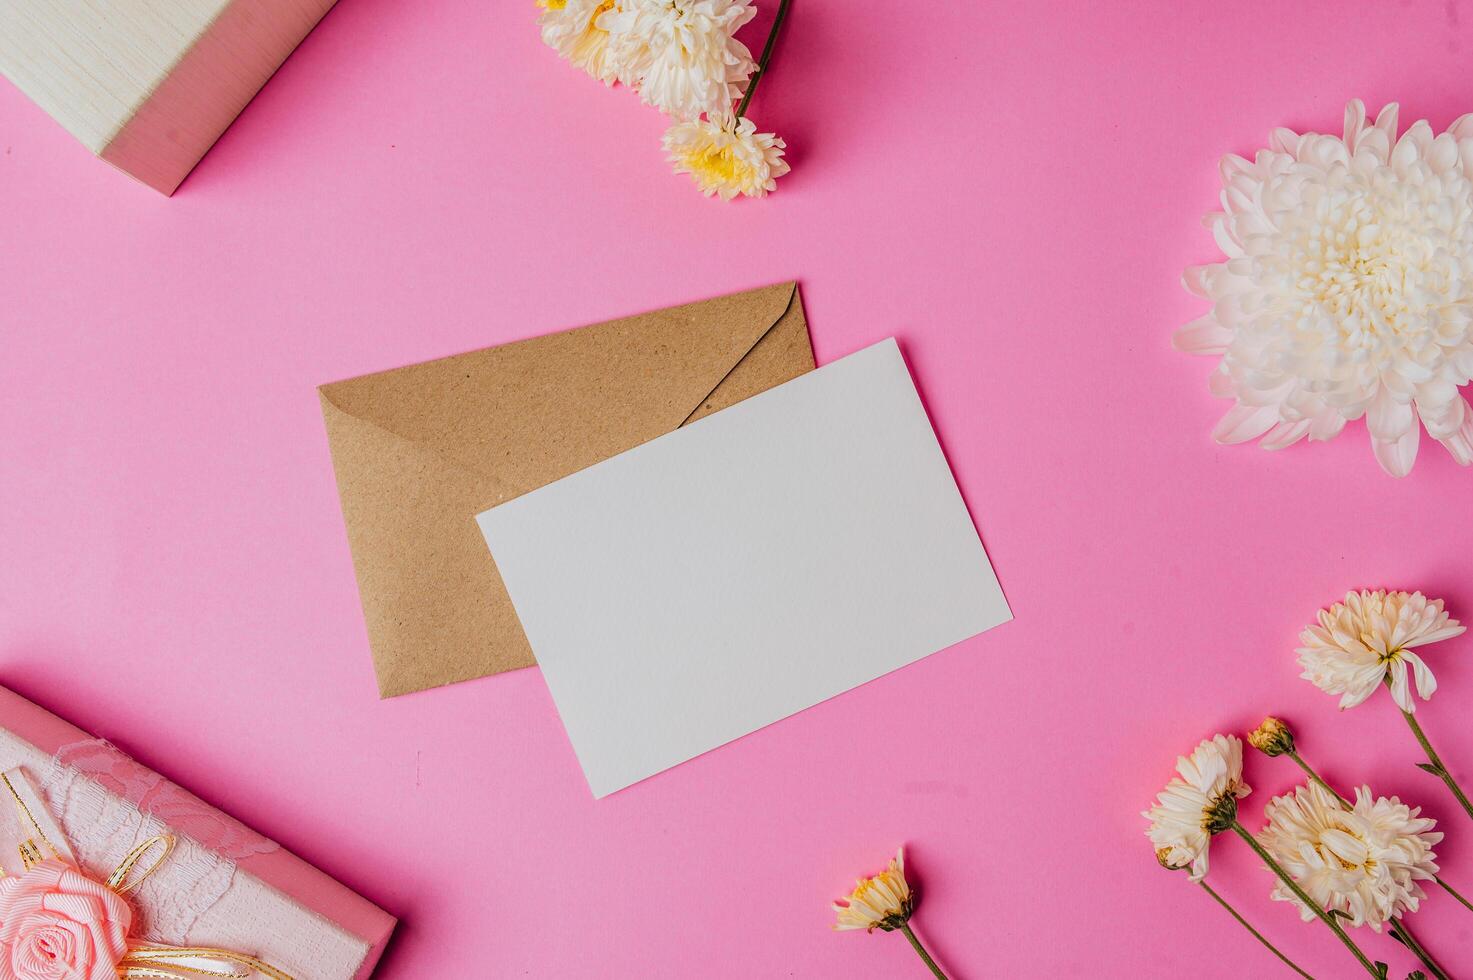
<point x="744" y="567"/>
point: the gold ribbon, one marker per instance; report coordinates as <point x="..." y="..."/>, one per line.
<point x="172" y="963"/>
<point x="150" y="961"/>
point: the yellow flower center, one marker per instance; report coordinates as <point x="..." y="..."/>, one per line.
<point x="1389" y="657"/>
<point x="719" y="165"/>
<point x="552" y="4"/>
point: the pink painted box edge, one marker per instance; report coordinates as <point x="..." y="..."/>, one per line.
<point x="308" y="886"/>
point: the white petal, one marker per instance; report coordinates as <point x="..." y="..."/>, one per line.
<point x="1426" y="683"/>
<point x="1399" y="692"/>
<point x="1245" y="422"/>
<point x="1397" y="456"/>
<point x="1203" y="335"/>
<point x="1460" y="443"/>
<point x="1285" y="434"/>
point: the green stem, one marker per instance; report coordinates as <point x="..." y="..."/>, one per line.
<point x="1256" y="934"/>
<point x="1316" y="777"/>
<point x="761" y="70"/>
<point x="1453" y="892"/>
<point x="1309" y="903"/>
<point x="921" y="950"/>
<point x="1438" y="769"/>
<point x="1398" y="927"/>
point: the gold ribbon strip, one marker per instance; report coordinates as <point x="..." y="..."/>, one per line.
<point x="30" y="851"/>
<point x="149" y="961"/>
<point x="164" y="962"/>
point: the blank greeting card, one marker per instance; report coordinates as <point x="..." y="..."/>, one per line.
<point x="747" y="566"/>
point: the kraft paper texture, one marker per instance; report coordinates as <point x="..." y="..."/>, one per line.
<point x="420" y="450"/>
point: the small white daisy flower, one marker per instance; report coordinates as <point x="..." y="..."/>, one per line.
<point x="726" y="156"/>
<point x="1200" y="802"/>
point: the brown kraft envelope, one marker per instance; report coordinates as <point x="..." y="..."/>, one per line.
<point x="420" y="450"/>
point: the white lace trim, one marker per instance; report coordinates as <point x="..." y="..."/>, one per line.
<point x="103" y="828"/>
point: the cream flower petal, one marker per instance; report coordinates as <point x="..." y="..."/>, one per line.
<point x="1359" y="643"/>
<point x="1364" y="860"/>
<point x="572" y="29"/>
<point x="682" y="54"/>
<point x="726" y="156"/>
<point x="1196" y="803"/>
<point x="882" y="902"/>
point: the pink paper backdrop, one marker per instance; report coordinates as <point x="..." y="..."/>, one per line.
<point x="1010" y="188"/>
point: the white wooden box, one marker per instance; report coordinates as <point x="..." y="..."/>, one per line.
<point x="149" y="85"/>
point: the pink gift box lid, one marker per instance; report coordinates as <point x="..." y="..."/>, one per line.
<point x="276" y="866"/>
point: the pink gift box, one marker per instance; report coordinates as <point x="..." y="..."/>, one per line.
<point x="225" y="885"/>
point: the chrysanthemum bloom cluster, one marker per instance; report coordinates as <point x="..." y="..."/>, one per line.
<point x="683" y="58"/>
<point x="1369" y="637"/>
<point x="1365" y="861"/>
<point x="1347" y="290"/>
<point x="1200" y="802"/>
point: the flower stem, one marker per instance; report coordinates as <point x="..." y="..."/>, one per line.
<point x="1399" y="929"/>
<point x="761" y="70"/>
<point x="1453" y="892"/>
<point x="1316" y="777"/>
<point x="1309" y="903"/>
<point x="1437" y="768"/>
<point x="921" y="950"/>
<point x="1256" y="934"/>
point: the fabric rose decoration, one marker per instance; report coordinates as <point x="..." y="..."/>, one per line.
<point x="58" y="924"/>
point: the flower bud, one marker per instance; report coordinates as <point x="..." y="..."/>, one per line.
<point x="1272" y="738"/>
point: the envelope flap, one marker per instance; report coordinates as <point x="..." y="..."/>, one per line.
<point x="526" y="413"/>
<point x="431" y="599"/>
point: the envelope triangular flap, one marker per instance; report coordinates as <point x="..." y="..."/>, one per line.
<point x="531" y="412"/>
<point x="418" y="451"/>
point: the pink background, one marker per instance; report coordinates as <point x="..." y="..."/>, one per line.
<point x="1010" y="188"/>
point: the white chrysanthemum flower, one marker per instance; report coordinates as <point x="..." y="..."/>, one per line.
<point x="682" y="54"/>
<point x="1199" y="802"/>
<point x="882" y="902"/>
<point x="571" y="28"/>
<point x="1364" y="861"/>
<point x="1348" y="288"/>
<point x="1360" y="641"/>
<point x="726" y="156"/>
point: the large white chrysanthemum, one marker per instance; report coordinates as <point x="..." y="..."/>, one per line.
<point x="681" y="54"/>
<point x="1347" y="290"/>
<point x="571" y="28"/>
<point x="727" y="156"/>
<point x="1202" y="800"/>
<point x="1360" y="641"/>
<point x="1365" y="861"/>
